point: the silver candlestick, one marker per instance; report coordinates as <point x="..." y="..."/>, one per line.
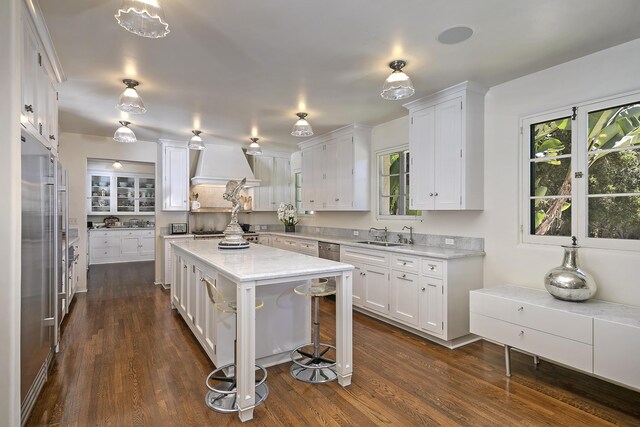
<point x="233" y="232"/>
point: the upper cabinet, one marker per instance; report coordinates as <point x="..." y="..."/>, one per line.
<point x="121" y="194"/>
<point x="335" y="170"/>
<point x="174" y="172"/>
<point x="41" y="73"/>
<point x="447" y="149"/>
<point x="274" y="171"/>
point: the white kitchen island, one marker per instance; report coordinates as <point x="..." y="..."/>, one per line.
<point x="272" y="273"/>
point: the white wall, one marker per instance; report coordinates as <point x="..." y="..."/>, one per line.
<point x="507" y="260"/>
<point x="10" y="212"/>
<point x="75" y="150"/>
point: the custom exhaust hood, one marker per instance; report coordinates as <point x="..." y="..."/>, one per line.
<point x="217" y="165"/>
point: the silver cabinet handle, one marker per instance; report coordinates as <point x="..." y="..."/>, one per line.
<point x="311" y="201"/>
<point x="28" y="108"/>
<point x="51" y="137"/>
<point x="432" y="267"/>
<point x="520" y="308"/>
<point x="430" y="194"/>
<point x="436" y="194"/>
<point x="521" y="333"/>
<point x="423" y="289"/>
<point x="404" y="275"/>
<point x="404" y="263"/>
<point x="337" y="200"/>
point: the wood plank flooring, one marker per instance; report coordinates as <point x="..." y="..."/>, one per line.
<point x="127" y="359"/>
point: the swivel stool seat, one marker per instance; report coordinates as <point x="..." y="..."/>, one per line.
<point x="309" y="362"/>
<point x="222" y="394"/>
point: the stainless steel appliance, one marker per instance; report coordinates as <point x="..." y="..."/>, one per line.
<point x="39" y="275"/>
<point x="61" y="260"/>
<point x="329" y="251"/>
<point x="178" y="228"/>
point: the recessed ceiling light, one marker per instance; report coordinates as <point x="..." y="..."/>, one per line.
<point x="455" y="35"/>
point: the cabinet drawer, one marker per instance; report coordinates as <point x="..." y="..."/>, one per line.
<point x="362" y="255"/>
<point x="572" y="353"/>
<point x="562" y="323"/>
<point x="98" y="242"/>
<point x="96" y="233"/>
<point x="145" y="232"/>
<point x="110" y="252"/>
<point x="405" y="262"/>
<point x="432" y="267"/>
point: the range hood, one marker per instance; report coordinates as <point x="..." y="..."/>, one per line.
<point x="218" y="164"/>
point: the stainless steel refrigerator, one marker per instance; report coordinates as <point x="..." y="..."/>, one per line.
<point x="38" y="319"/>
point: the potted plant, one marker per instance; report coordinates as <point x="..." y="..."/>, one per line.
<point x="289" y="217"/>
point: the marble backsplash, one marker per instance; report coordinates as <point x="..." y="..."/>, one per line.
<point x="433" y="240"/>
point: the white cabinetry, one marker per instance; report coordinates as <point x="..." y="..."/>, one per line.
<point x="429" y="296"/>
<point x="110" y="246"/>
<point x="174" y="161"/>
<point x="167" y="254"/>
<point x="130" y="194"/>
<point x="275" y="187"/>
<point x="446" y="145"/>
<point x="593" y="336"/>
<point x="303" y="246"/>
<point x="335" y="170"/>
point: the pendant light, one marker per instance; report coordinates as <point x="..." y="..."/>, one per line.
<point x="254" y="149"/>
<point x="398" y="84"/>
<point x="302" y="127"/>
<point x="130" y="101"/>
<point x="124" y="134"/>
<point x="143" y="17"/>
<point x="117" y="165"/>
<point x="195" y="143"/>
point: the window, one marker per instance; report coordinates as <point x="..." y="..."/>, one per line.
<point x="393" y="184"/>
<point x="582" y="175"/>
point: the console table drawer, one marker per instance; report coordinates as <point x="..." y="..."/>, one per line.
<point x="571" y="353"/>
<point x="564" y="324"/>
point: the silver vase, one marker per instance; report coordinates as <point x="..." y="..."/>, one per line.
<point x="569" y="282"/>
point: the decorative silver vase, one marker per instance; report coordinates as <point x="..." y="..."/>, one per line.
<point x="569" y="282"/>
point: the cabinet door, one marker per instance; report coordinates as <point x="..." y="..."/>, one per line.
<point x="308" y="184"/>
<point x="201" y="297"/>
<point x="319" y="175"/>
<point x="130" y="246"/>
<point x="175" y="185"/>
<point x="51" y="119"/>
<point x="421" y="147"/>
<point x="376" y="288"/>
<point x="403" y="288"/>
<point x="281" y="181"/>
<point x="29" y="74"/>
<point x="99" y="197"/>
<point x="146" y="195"/>
<point x="357" y="286"/>
<point x="330" y="175"/>
<point x="431" y="300"/>
<point x="448" y="155"/>
<point x="147" y="246"/>
<point x="344" y="172"/>
<point x="176" y="281"/>
<point x="210" y="314"/>
<point x="263" y="195"/>
<point x="191" y="292"/>
<point x="126" y="192"/>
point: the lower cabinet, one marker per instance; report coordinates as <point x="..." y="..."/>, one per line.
<point x="302" y="246"/>
<point x="167" y="252"/>
<point x="110" y="246"/>
<point x="427" y="295"/>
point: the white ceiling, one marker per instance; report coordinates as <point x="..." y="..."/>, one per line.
<point x="235" y="65"/>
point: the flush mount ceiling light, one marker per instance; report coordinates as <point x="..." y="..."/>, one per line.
<point x="254" y="149"/>
<point x="130" y="101"/>
<point x="455" y="35"/>
<point x="124" y="134"/>
<point x="398" y="84"/>
<point x="195" y="143"/>
<point x="302" y="127"/>
<point x="143" y="17"/>
<point x="117" y="165"/>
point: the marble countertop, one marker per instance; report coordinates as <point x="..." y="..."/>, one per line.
<point x="177" y="236"/>
<point x="428" y="251"/>
<point x="257" y="262"/>
<point x="597" y="309"/>
<point x="121" y="228"/>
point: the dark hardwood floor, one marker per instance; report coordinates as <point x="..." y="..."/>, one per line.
<point x="127" y="359"/>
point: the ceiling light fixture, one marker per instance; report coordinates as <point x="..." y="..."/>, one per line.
<point x="254" y="149"/>
<point x="143" y="17"/>
<point x="117" y="165"/>
<point x="398" y="84"/>
<point x="195" y="143"/>
<point x="124" y="134"/>
<point x="302" y="127"/>
<point x="130" y="101"/>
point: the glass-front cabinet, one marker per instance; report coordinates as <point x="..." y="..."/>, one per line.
<point x="121" y="194"/>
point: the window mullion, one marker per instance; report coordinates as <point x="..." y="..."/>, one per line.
<point x="579" y="188"/>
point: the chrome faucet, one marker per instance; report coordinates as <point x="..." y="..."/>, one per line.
<point x="384" y="238"/>
<point x="410" y="233"/>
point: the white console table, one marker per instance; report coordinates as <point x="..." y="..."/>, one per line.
<point x="596" y="337"/>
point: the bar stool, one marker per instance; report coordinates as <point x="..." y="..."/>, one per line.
<point x="222" y="396"/>
<point x="313" y="367"/>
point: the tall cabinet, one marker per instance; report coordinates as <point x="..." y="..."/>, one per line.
<point x="274" y="171"/>
<point x="174" y="170"/>
<point x="335" y="170"/>
<point x="447" y="151"/>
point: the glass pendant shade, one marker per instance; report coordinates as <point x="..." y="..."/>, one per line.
<point x="398" y="84"/>
<point x="302" y="127"/>
<point x="130" y="101"/>
<point x="254" y="149"/>
<point x="124" y="134"/>
<point x="195" y="143"/>
<point x="143" y="17"/>
<point x="117" y="165"/>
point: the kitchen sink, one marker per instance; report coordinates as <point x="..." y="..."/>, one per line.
<point x="375" y="243"/>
